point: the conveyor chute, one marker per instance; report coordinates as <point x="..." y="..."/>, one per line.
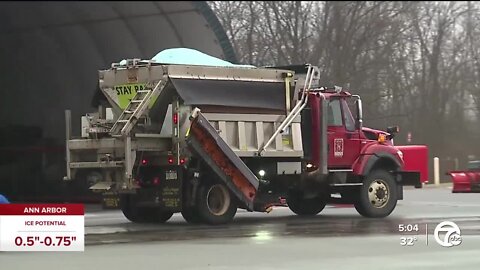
<point x="205" y="142"/>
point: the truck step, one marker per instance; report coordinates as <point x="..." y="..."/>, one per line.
<point x="80" y="165"/>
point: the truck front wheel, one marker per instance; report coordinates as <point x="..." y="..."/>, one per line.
<point x="142" y="214"/>
<point x="305" y="206"/>
<point x="215" y="204"/>
<point x="378" y="195"/>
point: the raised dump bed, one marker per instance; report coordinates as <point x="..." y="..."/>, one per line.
<point x="205" y="142"/>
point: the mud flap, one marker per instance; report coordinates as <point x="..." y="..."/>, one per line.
<point x="409" y="179"/>
<point x="110" y="200"/>
<point x="204" y="141"/>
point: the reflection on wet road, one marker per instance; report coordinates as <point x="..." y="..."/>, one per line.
<point x="338" y="239"/>
<point x="426" y="207"/>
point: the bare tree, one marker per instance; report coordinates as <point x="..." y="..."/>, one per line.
<point x="416" y="64"/>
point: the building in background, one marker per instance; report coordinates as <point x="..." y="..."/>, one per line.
<point x="51" y="52"/>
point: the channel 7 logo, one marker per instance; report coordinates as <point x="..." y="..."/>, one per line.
<point x="452" y="235"/>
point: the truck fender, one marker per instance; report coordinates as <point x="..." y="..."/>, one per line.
<point x="365" y="163"/>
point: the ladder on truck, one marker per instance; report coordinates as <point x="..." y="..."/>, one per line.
<point x="312" y="72"/>
<point x="135" y="109"/>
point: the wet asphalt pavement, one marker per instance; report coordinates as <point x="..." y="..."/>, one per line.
<point x="336" y="238"/>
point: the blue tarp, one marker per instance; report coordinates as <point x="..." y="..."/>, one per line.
<point x="187" y="56"/>
<point x="3" y="200"/>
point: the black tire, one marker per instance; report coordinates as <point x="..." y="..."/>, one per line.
<point x="155" y="215"/>
<point x="303" y="206"/>
<point x="142" y="214"/>
<point x="190" y="214"/>
<point x="378" y="195"/>
<point x="215" y="204"/>
<point x="129" y="210"/>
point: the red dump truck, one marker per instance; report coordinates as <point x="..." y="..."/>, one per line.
<point x="205" y="141"/>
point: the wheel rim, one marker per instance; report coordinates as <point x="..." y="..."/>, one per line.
<point x="378" y="193"/>
<point x="218" y="200"/>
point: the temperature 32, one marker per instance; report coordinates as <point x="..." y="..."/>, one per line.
<point x="408" y="240"/>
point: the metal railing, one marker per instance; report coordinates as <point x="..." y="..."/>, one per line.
<point x="296" y="110"/>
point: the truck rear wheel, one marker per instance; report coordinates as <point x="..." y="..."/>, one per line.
<point x="215" y="204"/>
<point x="190" y="214"/>
<point x="378" y="195"/>
<point x="142" y="214"/>
<point x="305" y="206"/>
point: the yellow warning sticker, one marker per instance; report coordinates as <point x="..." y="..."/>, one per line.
<point x="286" y="141"/>
<point x="126" y="92"/>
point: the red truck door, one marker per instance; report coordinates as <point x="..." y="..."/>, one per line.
<point x="343" y="138"/>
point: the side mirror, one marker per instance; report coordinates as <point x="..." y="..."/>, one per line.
<point x="359" y="120"/>
<point x="393" y="130"/>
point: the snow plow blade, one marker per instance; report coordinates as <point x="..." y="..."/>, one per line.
<point x="204" y="141"/>
<point x="465" y="181"/>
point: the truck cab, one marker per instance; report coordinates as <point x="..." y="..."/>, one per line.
<point x="344" y="138"/>
<point x="360" y="160"/>
<point x="348" y="141"/>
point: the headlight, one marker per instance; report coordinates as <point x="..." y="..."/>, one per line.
<point x="261" y="173"/>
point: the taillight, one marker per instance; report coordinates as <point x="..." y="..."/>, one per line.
<point x="175" y="118"/>
<point x="144" y="162"/>
<point x="156" y="180"/>
<point x="170" y="160"/>
<point x="182" y="161"/>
